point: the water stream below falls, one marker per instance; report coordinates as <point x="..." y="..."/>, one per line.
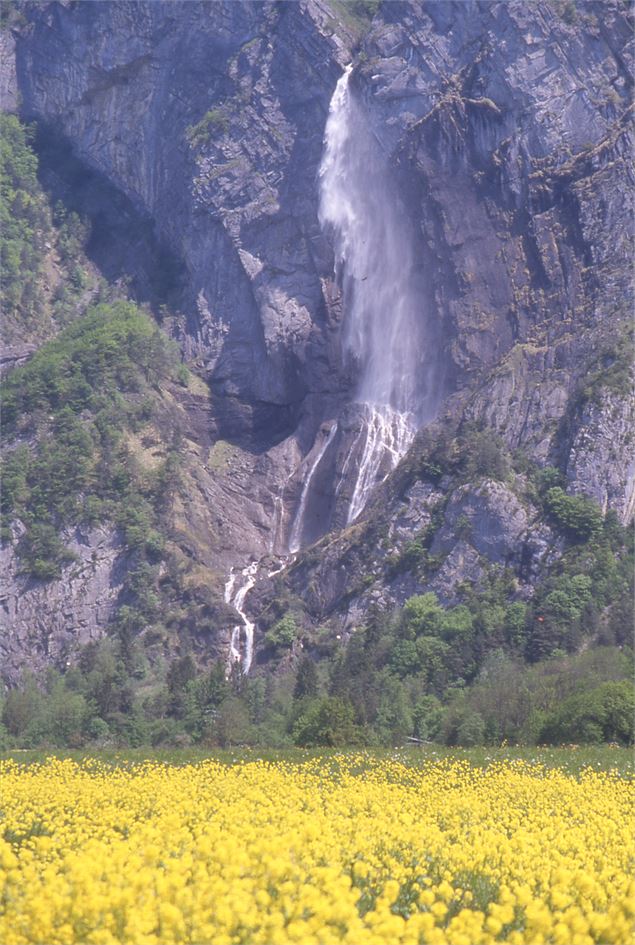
<point x="241" y="646"/>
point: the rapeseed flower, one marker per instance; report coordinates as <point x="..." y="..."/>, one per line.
<point x="353" y="850"/>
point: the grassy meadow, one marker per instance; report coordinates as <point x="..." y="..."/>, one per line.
<point x="571" y="759"/>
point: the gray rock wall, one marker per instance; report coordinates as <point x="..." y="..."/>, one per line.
<point x="44" y="622"/>
<point x="126" y="84"/>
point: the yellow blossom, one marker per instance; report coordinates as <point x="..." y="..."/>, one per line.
<point x="351" y="850"/>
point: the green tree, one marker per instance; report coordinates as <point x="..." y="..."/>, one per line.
<point x="404" y="658"/>
<point x="464" y="726"/>
<point x="306" y="683"/>
<point x="283" y="634"/>
<point x="433" y="656"/>
<point x="578" y="516"/>
<point x="23" y="709"/>
<point x="606" y="713"/>
<point x="516" y="623"/>
<point x="428" y="718"/>
<point x="422" y="614"/>
<point x="394" y="714"/>
<point x="558" y="612"/>
<point x="457" y="623"/>
<point x="68" y="716"/>
<point x="232" y="723"/>
<point x="24" y="224"/>
<point x="330" y="722"/>
<point x="181" y="672"/>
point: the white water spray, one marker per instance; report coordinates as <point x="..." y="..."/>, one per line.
<point x="375" y="265"/>
<point x="295" y="540"/>
<point x="241" y="651"/>
<point x="387" y="435"/>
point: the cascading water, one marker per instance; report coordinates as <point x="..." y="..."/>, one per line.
<point x="296" y="531"/>
<point x="387" y="435"/>
<point x="375" y="265"/>
<point x="241" y="652"/>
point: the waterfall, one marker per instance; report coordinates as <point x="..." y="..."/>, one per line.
<point x="278" y="516"/>
<point x="375" y="265"/>
<point x="295" y="540"/>
<point x="241" y="654"/>
<point x="387" y="435"/>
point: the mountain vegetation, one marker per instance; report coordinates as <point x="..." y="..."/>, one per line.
<point x="24" y="224"/>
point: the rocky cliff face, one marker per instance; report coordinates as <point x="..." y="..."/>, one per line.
<point x="507" y="128"/>
<point x="209" y="117"/>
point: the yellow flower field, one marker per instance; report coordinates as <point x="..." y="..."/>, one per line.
<point x="349" y="850"/>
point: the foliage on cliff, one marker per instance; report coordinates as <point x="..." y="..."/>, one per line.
<point x="25" y="223"/>
<point x="69" y="409"/>
<point x="46" y="281"/>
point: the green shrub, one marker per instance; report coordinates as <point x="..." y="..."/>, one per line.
<point x="578" y="516"/>
<point x="42" y="552"/>
<point x="412" y="557"/>
<point x="214" y="121"/>
<point x="548" y="478"/>
<point x="431" y="470"/>
<point x="283" y="634"/>
<point x="612" y="370"/>
<point x="484" y="453"/>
